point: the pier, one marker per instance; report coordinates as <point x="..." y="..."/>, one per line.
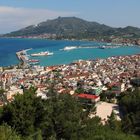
<point x="23" y="57"/>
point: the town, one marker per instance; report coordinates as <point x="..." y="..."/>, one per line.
<point x="83" y="79"/>
<point x="112" y="39"/>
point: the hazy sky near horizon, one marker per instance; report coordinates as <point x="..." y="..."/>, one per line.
<point x="16" y="14"/>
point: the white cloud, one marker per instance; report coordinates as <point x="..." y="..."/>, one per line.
<point x="12" y="18"/>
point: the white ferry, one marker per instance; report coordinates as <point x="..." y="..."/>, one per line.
<point x="47" y="53"/>
<point x="68" y="48"/>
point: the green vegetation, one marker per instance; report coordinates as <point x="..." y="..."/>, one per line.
<point x="3" y="96"/>
<point x="60" y="117"/>
<point x="72" y="27"/>
<point x="6" y="133"/>
<point x="130" y="103"/>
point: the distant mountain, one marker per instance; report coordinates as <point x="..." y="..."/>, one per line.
<point x="72" y="27"/>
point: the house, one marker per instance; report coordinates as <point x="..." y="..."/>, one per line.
<point x="88" y="98"/>
<point x="117" y="88"/>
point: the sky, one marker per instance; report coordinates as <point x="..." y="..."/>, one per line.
<point x="17" y="14"/>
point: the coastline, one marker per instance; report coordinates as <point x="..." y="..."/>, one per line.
<point x="74" y="39"/>
<point x="88" y="51"/>
<point x="26" y="64"/>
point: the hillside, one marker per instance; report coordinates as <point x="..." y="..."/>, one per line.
<point x="77" y="28"/>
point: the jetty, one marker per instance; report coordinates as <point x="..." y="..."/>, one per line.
<point x="23" y="57"/>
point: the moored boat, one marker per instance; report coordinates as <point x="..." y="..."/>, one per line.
<point x="33" y="61"/>
<point x="46" y="53"/>
<point x="102" y="47"/>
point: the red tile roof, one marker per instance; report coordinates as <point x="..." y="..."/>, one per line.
<point x="87" y="96"/>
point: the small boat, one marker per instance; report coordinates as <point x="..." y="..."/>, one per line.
<point x="34" y="63"/>
<point x="33" y="60"/>
<point x="102" y="47"/>
<point x="46" y="53"/>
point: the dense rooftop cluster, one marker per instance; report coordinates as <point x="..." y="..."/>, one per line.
<point x="92" y="76"/>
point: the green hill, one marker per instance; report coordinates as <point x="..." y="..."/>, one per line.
<point x="75" y="27"/>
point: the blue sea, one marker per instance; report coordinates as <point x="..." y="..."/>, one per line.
<point x="9" y="47"/>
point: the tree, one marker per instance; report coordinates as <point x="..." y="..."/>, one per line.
<point x="113" y="123"/>
<point x="110" y="96"/>
<point x="6" y="133"/>
<point x="39" y="135"/>
<point x="26" y="113"/>
<point x="61" y="117"/>
<point x="3" y="97"/>
<point x="103" y="96"/>
<point x="94" y="130"/>
<point x="79" y="90"/>
<point x="130" y="104"/>
<point x="67" y="116"/>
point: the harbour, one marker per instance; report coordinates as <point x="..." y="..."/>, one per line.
<point x="24" y="58"/>
<point x="11" y="53"/>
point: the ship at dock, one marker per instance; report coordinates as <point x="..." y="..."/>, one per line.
<point x="33" y="62"/>
<point x="46" y="53"/>
<point x="23" y="57"/>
